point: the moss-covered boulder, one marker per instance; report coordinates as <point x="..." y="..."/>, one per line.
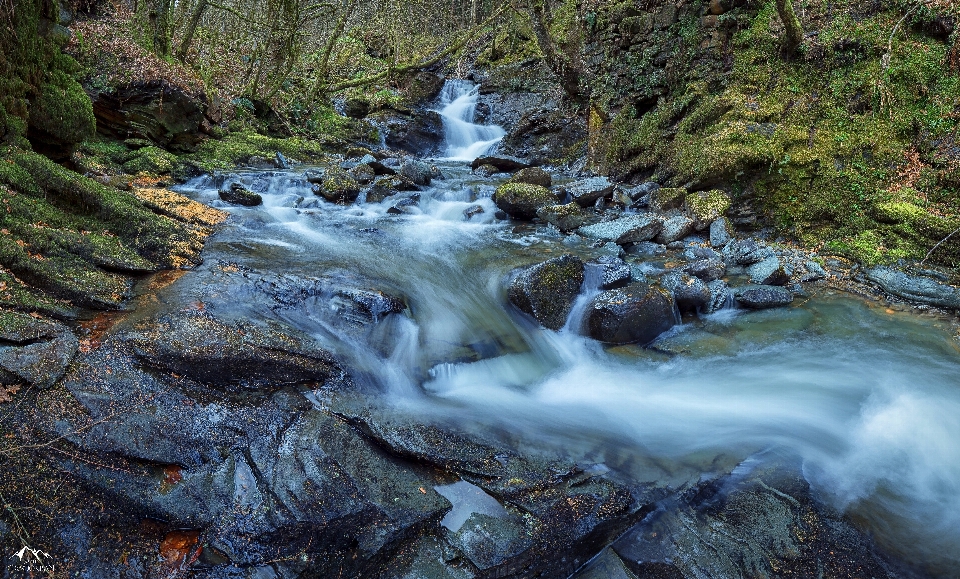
<point x="547" y="290"/>
<point x="533" y="176"/>
<point x="564" y="217"/>
<point x="337" y="186"/>
<point x="522" y="200"/>
<point x="704" y="207"/>
<point x="151" y="160"/>
<point x="237" y="194"/>
<point x="666" y="198"/>
<point x="61" y="115"/>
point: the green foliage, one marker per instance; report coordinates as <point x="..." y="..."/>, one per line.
<point x="151" y="160"/>
<point x="237" y="148"/>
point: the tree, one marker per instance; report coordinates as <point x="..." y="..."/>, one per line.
<point x="564" y="67"/>
<point x="794" y="31"/>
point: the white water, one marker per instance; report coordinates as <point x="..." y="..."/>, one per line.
<point x="870" y="401"/>
<point x="465" y="140"/>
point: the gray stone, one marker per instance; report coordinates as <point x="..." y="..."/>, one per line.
<point x="630" y="229"/>
<point x="815" y="272"/>
<point x="706" y="269"/>
<point x="547" y="290"/>
<point x="533" y="176"/>
<point x="745" y="252"/>
<point x="237" y="194"/>
<point x="721" y="232"/>
<point x="761" y="297"/>
<point x="720" y="297"/>
<point x="612" y="272"/>
<point x="770" y="271"/>
<point x="504" y="163"/>
<point x="416" y="171"/>
<point x="586" y="191"/>
<point x="564" y="217"/>
<point x="690" y="293"/>
<point x="647" y="248"/>
<point x="675" y="229"/>
<point x="637" y="313"/>
<point x="916" y="288"/>
<point x="35" y="350"/>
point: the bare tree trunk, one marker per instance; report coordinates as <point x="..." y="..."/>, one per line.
<point x="791" y="24"/>
<point x="568" y="74"/>
<point x="191" y="29"/>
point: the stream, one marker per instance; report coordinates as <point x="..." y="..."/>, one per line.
<point x="866" y="398"/>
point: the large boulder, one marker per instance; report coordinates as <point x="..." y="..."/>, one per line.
<point x="629" y="229"/>
<point x="666" y="198"/>
<point x="916" y="288"/>
<point x="637" y="313"/>
<point x="389" y="186"/>
<point x="237" y="194"/>
<point x="762" y="297"/>
<point x="771" y="271"/>
<point x="417" y="132"/>
<point x="585" y="192"/>
<point x="521" y="200"/>
<point x="721" y="232"/>
<point x="690" y="293"/>
<point x="706" y="269"/>
<point x="416" y="171"/>
<point x="503" y="163"/>
<point x="154" y="110"/>
<point x="533" y="176"/>
<point x="547" y="290"/>
<point x="564" y="217"/>
<point x="229" y="355"/>
<point x="705" y="207"/>
<point x="675" y="229"/>
<point x="338" y="186"/>
<point x="544" y="136"/>
<point x="745" y="252"/>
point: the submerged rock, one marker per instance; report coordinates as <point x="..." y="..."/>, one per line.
<point x="240" y="195"/>
<point x="637" y="313"/>
<point x="547" y="290"/>
<point x="522" y="200"/>
<point x="761" y="297"/>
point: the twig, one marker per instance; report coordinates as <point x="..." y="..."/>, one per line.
<point x="939" y="243"/>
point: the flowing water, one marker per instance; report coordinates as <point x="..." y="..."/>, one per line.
<point x="868" y="398"/>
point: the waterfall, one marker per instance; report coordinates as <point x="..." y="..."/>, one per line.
<point x="465" y="139"/>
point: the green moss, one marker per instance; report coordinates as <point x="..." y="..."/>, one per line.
<point x="152" y="160"/>
<point x="237" y="148"/>
<point x="62" y="111"/>
<point x="706" y="206"/>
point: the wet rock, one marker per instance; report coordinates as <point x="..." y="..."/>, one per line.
<point x="542" y="135"/>
<point x="815" y="272"/>
<point x="666" y="198"/>
<point x="630" y="229"/>
<point x="521" y="200"/>
<point x="761" y="297"/>
<point x="314" y="176"/>
<point x="613" y="272"/>
<point x="564" y="217"/>
<point x="721" y="232"/>
<point x="533" y="176"/>
<point x="356" y="108"/>
<point x="642" y="191"/>
<point x="338" y="186"/>
<point x="486" y="170"/>
<point x="690" y="293"/>
<point x="720" y="296"/>
<point x="380" y="168"/>
<point x="404" y="205"/>
<point x="745" y="252"/>
<point x="489" y="542"/>
<point x="373" y="305"/>
<point x="416" y="171"/>
<point x="472" y="211"/>
<point x="587" y="191"/>
<point x="503" y="163"/>
<point x="647" y="248"/>
<point x="547" y="290"/>
<point x="237" y="194"/>
<point x="363" y="174"/>
<point x="705" y="207"/>
<point x="770" y="271"/>
<point x="706" y="269"/>
<point x="423" y="86"/>
<point x="920" y="289"/>
<point x="637" y="313"/>
<point x="417" y="132"/>
<point x="281" y="161"/>
<point x="34" y="350"/>
<point x="389" y="186"/>
<point x="228" y="355"/>
<point x="675" y="229"/>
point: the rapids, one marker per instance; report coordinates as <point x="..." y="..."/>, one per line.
<point x="867" y="398"/>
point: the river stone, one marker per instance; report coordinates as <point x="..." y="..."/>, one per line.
<point x="564" y="217"/>
<point x="34" y="350"/>
<point x="637" y="313"/>
<point x="416" y="171"/>
<point x="380" y="168"/>
<point x="770" y="271"/>
<point x="489" y="541"/>
<point x="389" y="186"/>
<point x="472" y="211"/>
<point x="522" y="200"/>
<point x="547" y="290"/>
<point x="237" y="194"/>
<point x="504" y="163"/>
<point x="745" y="252"/>
<point x="666" y="198"/>
<point x="229" y="355"/>
<point x="641" y="191"/>
<point x="690" y="293"/>
<point x="533" y="176"/>
<point x="373" y="305"/>
<point x="916" y="288"/>
<point x="363" y="174"/>
<point x="705" y="207"/>
<point x="612" y="272"/>
<point x="706" y="269"/>
<point x="721" y="232"/>
<point x="486" y="170"/>
<point x="630" y="229"/>
<point x="675" y="229"/>
<point x="338" y="186"/>
<point x="815" y="272"/>
<point x="719" y="296"/>
<point x="761" y="297"/>
<point x="587" y="191"/>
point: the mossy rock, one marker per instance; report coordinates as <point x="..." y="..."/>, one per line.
<point x="915" y="220"/>
<point x="547" y="290"/>
<point x="522" y="200"/>
<point x="338" y="186"/>
<point x="533" y="176"/>
<point x="704" y="207"/>
<point x="151" y="160"/>
<point x="666" y="198"/>
<point x="62" y="114"/>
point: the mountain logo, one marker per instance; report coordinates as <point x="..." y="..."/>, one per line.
<point x="32" y="561"/>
